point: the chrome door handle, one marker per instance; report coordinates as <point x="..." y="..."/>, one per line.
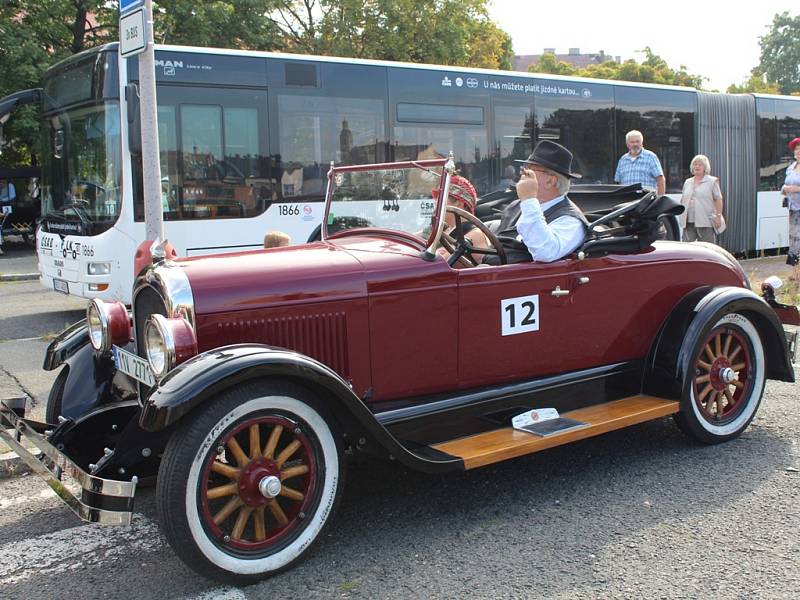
<point x="559" y="292"/>
<point x="583" y="280"/>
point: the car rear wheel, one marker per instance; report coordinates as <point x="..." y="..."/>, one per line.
<point x="724" y="386"/>
<point x="249" y="482"/>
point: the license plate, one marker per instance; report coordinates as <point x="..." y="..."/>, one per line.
<point x="133" y="365"/>
<point x="60" y="285"/>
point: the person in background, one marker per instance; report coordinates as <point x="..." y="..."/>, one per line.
<point x="8" y="193"/>
<point x="791" y="189"/>
<point x="703" y="201"/>
<point x="639" y="165"/>
<point x="276" y="239"/>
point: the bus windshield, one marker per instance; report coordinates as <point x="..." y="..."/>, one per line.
<point x="81" y="175"/>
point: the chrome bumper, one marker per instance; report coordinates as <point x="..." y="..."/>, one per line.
<point x="105" y="501"/>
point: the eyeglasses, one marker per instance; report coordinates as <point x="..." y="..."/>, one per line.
<point x="543" y="171"/>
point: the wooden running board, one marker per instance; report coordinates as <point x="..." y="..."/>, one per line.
<point x="501" y="444"/>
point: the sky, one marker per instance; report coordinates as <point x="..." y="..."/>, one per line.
<point x="718" y="40"/>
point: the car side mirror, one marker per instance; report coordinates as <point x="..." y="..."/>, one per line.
<point x="134" y="119"/>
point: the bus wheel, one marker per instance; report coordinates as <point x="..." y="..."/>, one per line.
<point x="723" y="387"/>
<point x="248" y="483"/>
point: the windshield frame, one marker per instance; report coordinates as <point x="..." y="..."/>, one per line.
<point x="431" y="243"/>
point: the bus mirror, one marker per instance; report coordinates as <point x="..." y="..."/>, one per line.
<point x="134" y="119"/>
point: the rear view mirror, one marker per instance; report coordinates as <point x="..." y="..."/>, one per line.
<point x="134" y="119"/>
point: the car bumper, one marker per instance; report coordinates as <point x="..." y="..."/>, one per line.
<point x="105" y="501"/>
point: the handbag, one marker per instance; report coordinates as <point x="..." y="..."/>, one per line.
<point x="722" y="226"/>
<point x="785" y="202"/>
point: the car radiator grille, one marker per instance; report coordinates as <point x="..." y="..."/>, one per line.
<point x="322" y="337"/>
<point x="145" y="303"/>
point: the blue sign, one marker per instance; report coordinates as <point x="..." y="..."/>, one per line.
<point x="126" y="5"/>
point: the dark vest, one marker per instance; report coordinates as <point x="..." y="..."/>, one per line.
<point x="517" y="251"/>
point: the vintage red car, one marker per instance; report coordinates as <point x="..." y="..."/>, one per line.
<point x="242" y="382"/>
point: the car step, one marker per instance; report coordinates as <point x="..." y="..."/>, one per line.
<point x="501" y="444"/>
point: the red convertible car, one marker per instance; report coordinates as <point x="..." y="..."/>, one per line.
<point x="242" y="382"/>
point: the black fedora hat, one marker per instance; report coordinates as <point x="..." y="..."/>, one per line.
<point x="554" y="157"/>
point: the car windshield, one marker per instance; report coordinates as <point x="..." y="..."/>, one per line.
<point x="398" y="198"/>
<point x="82" y="165"/>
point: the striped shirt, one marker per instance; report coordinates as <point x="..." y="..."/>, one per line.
<point x="643" y="169"/>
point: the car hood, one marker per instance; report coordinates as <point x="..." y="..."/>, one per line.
<point x="318" y="272"/>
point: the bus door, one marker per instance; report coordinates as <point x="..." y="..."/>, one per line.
<point x="513" y="129"/>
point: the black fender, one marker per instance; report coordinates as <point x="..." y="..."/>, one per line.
<point x="91" y="380"/>
<point x="205" y="376"/>
<point x="692" y="319"/>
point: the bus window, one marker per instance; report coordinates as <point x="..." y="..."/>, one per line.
<point x="469" y="145"/>
<point x="315" y="130"/>
<point x="213" y="163"/>
<point x="770" y="177"/>
<point x="787" y="114"/>
<point x="582" y="122"/>
<point x="666" y="118"/>
<point x="513" y="127"/>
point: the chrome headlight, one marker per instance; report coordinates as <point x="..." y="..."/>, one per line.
<point x="108" y="323"/>
<point x="167" y="343"/>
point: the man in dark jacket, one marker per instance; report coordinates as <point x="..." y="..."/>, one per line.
<point x="543" y="224"/>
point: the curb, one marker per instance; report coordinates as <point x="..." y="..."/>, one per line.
<point x="19" y="276"/>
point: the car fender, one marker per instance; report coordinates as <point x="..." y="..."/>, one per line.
<point x="205" y="376"/>
<point x="692" y="319"/>
<point x="66" y="344"/>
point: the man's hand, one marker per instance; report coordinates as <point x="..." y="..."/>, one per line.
<point x="528" y="185"/>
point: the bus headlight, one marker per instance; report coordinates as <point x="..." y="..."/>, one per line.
<point x="108" y="324"/>
<point x="98" y="268"/>
<point x="168" y="343"/>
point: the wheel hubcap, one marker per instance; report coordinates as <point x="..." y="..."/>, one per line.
<point x="723" y="374"/>
<point x="258" y="483"/>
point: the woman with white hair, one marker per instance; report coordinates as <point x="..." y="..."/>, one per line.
<point x="703" y="201"/>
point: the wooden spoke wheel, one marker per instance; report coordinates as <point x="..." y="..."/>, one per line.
<point x="248" y="482"/>
<point x="724" y="382"/>
<point x="252" y="503"/>
<point x="723" y="375"/>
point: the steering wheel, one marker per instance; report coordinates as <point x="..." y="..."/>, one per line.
<point x="460" y="248"/>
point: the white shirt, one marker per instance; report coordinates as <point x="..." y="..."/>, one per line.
<point x="548" y="241"/>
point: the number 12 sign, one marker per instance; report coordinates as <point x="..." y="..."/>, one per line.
<point x="132" y="34"/>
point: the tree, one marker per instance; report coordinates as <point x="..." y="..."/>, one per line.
<point x="780" y="53"/>
<point x="447" y="32"/>
<point x="756" y="83"/>
<point x="653" y="69"/>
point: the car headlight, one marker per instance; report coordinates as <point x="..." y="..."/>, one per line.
<point x="98" y="268"/>
<point x="167" y="343"/>
<point x="108" y="324"/>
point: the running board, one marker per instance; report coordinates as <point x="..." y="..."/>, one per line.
<point x="502" y="444"/>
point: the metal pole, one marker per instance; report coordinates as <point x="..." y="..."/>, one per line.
<point x="151" y="163"/>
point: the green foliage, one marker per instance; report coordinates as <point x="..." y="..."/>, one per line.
<point x="653" y="69"/>
<point x="757" y="83"/>
<point x="780" y="53"/>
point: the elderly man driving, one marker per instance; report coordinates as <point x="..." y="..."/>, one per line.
<point x="543" y="224"/>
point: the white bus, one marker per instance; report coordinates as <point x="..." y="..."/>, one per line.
<point x="246" y="139"/>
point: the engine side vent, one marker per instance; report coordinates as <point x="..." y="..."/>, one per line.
<point x="322" y="337"/>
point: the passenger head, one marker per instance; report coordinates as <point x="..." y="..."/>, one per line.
<point x="276" y="239"/>
<point x="552" y="164"/>
<point x="634" y="140"/>
<point x="701" y="162"/>
<point x="462" y="194"/>
<point x="794" y="146"/>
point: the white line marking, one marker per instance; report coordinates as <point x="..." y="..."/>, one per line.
<point x="78" y="547"/>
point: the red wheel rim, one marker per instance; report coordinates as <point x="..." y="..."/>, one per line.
<point x="723" y="375"/>
<point x="236" y="511"/>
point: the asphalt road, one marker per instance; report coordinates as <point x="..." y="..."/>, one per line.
<point x="638" y="513"/>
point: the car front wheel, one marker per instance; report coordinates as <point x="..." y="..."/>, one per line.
<point x="724" y="385"/>
<point x="248" y="483"/>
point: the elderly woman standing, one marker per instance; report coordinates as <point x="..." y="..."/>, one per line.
<point x="703" y="201"/>
<point x="791" y="189"/>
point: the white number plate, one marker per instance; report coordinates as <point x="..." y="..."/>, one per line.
<point x="519" y="315"/>
<point x="133" y="365"/>
<point x="60" y="285"/>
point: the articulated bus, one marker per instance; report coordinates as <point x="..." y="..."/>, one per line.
<point x="246" y="139"/>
